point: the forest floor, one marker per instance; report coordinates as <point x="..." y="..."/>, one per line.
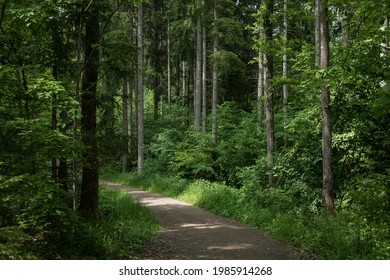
<point x="190" y="233"/>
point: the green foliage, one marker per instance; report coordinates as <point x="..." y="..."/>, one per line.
<point x="124" y="228"/>
<point x="238" y="146"/>
<point x="39" y="71"/>
<point x="209" y="195"/>
<point x="36" y="224"/>
<point x="194" y="156"/>
<point x="162" y="150"/>
<point x="45" y="225"/>
<point x="29" y="144"/>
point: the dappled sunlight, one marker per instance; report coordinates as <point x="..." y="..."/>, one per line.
<point x="208" y="226"/>
<point x="198" y="234"/>
<point x="229" y="247"/>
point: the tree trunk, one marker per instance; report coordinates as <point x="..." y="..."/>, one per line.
<point x="198" y="70"/>
<point x="260" y="94"/>
<point x="56" y="51"/>
<point x="125" y="126"/>
<point x="130" y="119"/>
<point x="344" y="29"/>
<point x="285" y="73"/>
<point x="59" y="171"/>
<point x="184" y="83"/>
<point x="384" y="46"/>
<point x="327" y="190"/>
<point x="90" y="179"/>
<point x="204" y="81"/>
<point x="215" y="81"/>
<point x="77" y="78"/>
<point x="54" y="128"/>
<point x="169" y="66"/>
<point x="156" y="58"/>
<point x="317" y="33"/>
<point x="269" y="104"/>
<point x="140" y="91"/>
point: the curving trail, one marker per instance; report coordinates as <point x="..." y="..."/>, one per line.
<point x="190" y="233"/>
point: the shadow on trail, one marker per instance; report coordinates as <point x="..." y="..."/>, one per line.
<point x="196" y="234"/>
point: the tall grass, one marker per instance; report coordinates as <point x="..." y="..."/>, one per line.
<point x="124" y="226"/>
<point x="277" y="211"/>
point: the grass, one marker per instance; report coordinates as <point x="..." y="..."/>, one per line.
<point x="346" y="237"/>
<point x="123" y="229"/>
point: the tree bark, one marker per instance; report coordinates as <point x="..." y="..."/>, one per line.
<point x="317" y="33"/>
<point x="260" y="93"/>
<point x="140" y="91"/>
<point x="198" y="70"/>
<point x="269" y="104"/>
<point x="90" y="176"/>
<point x="327" y="188"/>
<point x="214" y="105"/>
<point x="285" y="73"/>
<point x="169" y="66"/>
<point x="156" y="58"/>
<point x="384" y="46"/>
<point x="204" y="81"/>
<point x="344" y="29"/>
<point x="184" y="84"/>
<point x="125" y="125"/>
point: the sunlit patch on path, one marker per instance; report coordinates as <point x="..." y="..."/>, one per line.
<point x="193" y="233"/>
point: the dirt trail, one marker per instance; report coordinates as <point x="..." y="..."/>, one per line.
<point x="190" y="233"/>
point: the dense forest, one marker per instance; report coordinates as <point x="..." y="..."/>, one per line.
<point x="272" y="112"/>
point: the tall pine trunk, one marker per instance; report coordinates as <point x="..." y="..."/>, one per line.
<point x="89" y="199"/>
<point x="140" y="90"/>
<point x="285" y="72"/>
<point x="269" y="104"/>
<point x="169" y="66"/>
<point x="215" y="81"/>
<point x="327" y="188"/>
<point x="125" y="125"/>
<point x="204" y="81"/>
<point x="198" y="70"/>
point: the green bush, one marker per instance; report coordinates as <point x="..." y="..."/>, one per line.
<point x="194" y="157"/>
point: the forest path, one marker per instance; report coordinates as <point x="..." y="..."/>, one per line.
<point x="190" y="233"/>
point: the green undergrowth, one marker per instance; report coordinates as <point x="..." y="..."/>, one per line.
<point x="121" y="232"/>
<point x="291" y="215"/>
<point x="124" y="226"/>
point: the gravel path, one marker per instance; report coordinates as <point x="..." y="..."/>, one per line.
<point x="190" y="233"/>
